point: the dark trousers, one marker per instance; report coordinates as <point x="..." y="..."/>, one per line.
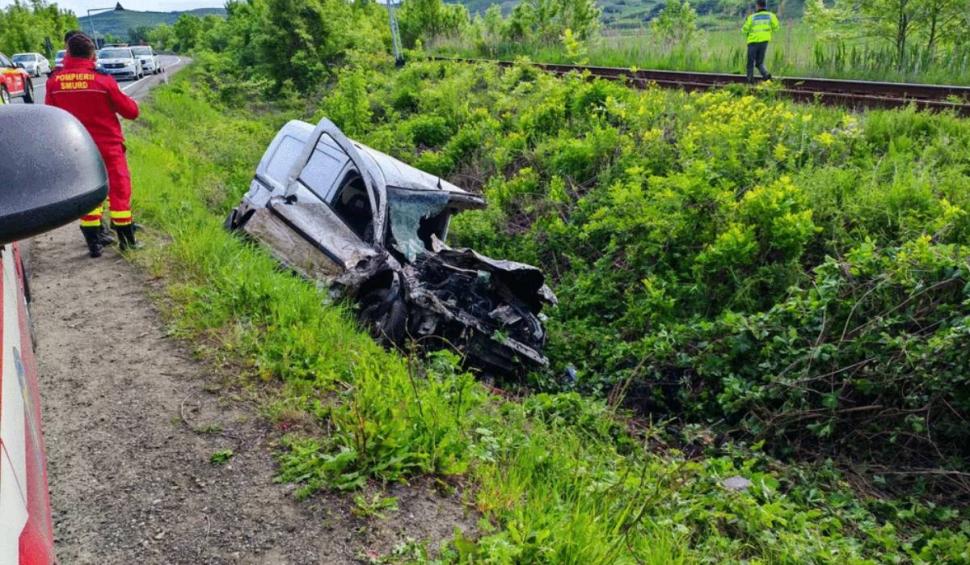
<point x="756" y="58"/>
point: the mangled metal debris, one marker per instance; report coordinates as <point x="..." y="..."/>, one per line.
<point x="340" y="212"/>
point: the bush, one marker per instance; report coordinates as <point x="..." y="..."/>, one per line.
<point x="705" y="246"/>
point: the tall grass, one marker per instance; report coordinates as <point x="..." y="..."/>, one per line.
<point x="795" y="51"/>
<point x="556" y="478"/>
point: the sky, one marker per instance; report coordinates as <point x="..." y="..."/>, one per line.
<point x="81" y="7"/>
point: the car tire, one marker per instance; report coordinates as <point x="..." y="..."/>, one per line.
<point x="4" y="95"/>
<point x="29" y="92"/>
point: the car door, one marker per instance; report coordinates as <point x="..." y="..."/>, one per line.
<point x="331" y="179"/>
<point x="26" y="535"/>
<point x="13" y="77"/>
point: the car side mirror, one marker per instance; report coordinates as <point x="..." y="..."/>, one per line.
<point x="50" y="177"/>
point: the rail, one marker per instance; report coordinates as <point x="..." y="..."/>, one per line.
<point x="853" y="93"/>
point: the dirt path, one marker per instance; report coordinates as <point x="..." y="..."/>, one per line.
<point x="131" y="481"/>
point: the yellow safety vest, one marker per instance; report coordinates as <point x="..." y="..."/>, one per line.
<point x="759" y="25"/>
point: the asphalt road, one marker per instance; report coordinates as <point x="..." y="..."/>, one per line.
<point x="136" y="89"/>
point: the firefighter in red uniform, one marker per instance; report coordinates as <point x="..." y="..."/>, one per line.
<point x="95" y="99"/>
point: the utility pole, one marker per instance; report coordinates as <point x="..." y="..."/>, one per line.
<point x="94" y="33"/>
<point x="395" y="36"/>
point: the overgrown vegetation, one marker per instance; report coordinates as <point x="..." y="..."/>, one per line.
<point x="793" y="273"/>
<point x="907" y="40"/>
<point x="25" y="25"/>
<point x="693" y="237"/>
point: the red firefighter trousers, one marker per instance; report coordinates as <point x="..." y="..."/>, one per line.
<point x="119" y="188"/>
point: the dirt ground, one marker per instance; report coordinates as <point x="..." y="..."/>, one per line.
<point x="132" y="482"/>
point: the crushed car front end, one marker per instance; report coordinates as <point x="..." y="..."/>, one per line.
<point x="387" y="250"/>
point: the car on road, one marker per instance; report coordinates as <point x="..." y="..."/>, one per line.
<point x="34" y="63"/>
<point x="59" y="59"/>
<point x="120" y="63"/>
<point x="148" y="59"/>
<point x="51" y="177"/>
<point x="374" y="228"/>
<point x="15" y="82"/>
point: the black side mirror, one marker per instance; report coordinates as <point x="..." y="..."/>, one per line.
<point x="50" y="176"/>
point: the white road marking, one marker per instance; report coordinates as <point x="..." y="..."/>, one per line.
<point x="126" y="87"/>
<point x="136" y="82"/>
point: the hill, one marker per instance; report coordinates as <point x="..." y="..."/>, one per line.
<point x="619" y="14"/>
<point x="119" y="22"/>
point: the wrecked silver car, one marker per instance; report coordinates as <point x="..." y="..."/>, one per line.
<point x="373" y="227"/>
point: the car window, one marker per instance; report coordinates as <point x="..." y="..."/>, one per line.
<point x="141" y="50"/>
<point x="324" y="168"/>
<point x="115" y="54"/>
<point x="4" y="61"/>
<point x="60" y="54"/>
<point x="24" y="58"/>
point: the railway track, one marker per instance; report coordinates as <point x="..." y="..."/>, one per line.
<point x="852" y="93"/>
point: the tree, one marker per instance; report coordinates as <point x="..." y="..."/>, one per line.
<point x="946" y="22"/>
<point x="162" y="37"/>
<point x="186" y="31"/>
<point x="24" y="26"/>
<point x="429" y="19"/>
<point x="545" y="21"/>
<point x="139" y="35"/>
<point x="676" y="24"/>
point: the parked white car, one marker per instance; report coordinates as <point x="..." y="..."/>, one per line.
<point x="59" y="60"/>
<point x="148" y="59"/>
<point x="34" y="63"/>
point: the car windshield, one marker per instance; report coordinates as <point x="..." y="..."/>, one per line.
<point x="114" y="54"/>
<point x="60" y="54"/>
<point x="141" y="50"/>
<point x="416" y="215"/>
<point x="23" y="57"/>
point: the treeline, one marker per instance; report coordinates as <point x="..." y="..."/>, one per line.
<point x="25" y="25"/>
<point x="299" y="43"/>
<point x="904" y="31"/>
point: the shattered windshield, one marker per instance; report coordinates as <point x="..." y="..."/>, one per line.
<point x="415" y="215"/>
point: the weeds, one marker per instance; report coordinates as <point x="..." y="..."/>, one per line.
<point x="221" y="457"/>
<point x="555" y="478"/>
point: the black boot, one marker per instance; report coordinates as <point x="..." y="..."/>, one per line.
<point x="92" y="236"/>
<point x="126" y="237"/>
<point x="105" y="237"/>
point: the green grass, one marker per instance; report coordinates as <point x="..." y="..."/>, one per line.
<point x="557" y="478"/>
<point x="794" y="51"/>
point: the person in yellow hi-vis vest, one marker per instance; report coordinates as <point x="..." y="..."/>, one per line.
<point x="758" y="29"/>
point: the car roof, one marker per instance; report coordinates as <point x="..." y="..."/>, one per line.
<point x="397" y="174"/>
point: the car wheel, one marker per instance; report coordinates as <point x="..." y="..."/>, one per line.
<point x="29" y="92"/>
<point x="385" y="314"/>
<point x="4" y="95"/>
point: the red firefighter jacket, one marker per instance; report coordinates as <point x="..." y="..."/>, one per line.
<point x="93" y="98"/>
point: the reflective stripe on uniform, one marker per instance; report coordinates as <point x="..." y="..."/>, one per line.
<point x="120" y="217"/>
<point x="92" y="218"/>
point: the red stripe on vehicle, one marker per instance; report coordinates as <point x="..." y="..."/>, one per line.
<point x="37" y="538"/>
